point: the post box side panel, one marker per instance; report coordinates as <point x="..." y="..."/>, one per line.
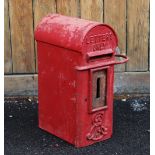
<point x="87" y="132"/>
<point x="57" y="90"/>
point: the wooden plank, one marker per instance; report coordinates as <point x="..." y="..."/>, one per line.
<point x="137" y="34"/>
<point x="115" y="16"/>
<point x="16" y="85"/>
<point x="92" y="10"/>
<point x="28" y="84"/>
<point x="68" y="8"/>
<point x="42" y="8"/>
<point x="132" y="83"/>
<point x="7" y="43"/>
<point x="22" y="37"/>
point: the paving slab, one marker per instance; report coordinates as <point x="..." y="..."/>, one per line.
<point x="131" y="134"/>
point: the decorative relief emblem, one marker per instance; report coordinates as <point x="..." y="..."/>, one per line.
<point x="98" y="130"/>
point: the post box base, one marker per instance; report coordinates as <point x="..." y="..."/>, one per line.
<point x="74" y="142"/>
<point x="94" y="142"/>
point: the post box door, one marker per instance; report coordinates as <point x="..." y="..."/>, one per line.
<point x="99" y="88"/>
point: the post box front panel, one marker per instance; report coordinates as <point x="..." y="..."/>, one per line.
<point x="95" y="106"/>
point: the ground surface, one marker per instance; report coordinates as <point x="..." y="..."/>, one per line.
<point x="130" y="137"/>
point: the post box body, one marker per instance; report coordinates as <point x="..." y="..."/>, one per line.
<point x="75" y="78"/>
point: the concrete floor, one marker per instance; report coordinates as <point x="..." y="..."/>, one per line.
<point x="131" y="130"/>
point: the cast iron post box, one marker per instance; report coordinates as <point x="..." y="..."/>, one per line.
<point x="76" y="61"/>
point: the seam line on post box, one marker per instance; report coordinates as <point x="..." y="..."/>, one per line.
<point x="77" y="51"/>
<point x="81" y="68"/>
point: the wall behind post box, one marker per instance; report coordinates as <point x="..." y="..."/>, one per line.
<point x="129" y="18"/>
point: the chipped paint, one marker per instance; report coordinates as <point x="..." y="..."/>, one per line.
<point x="73" y="31"/>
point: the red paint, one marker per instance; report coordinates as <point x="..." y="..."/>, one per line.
<point x="69" y="51"/>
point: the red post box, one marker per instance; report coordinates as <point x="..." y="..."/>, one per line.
<point x="76" y="61"/>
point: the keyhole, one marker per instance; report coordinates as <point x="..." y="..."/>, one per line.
<point x="98" y="88"/>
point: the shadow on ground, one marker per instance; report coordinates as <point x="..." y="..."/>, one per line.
<point x="131" y="130"/>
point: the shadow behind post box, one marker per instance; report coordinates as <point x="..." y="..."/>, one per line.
<point x="76" y="61"/>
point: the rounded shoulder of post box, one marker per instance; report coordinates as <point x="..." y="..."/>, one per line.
<point x="64" y="31"/>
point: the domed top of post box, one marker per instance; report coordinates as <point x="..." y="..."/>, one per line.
<point x="70" y="32"/>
